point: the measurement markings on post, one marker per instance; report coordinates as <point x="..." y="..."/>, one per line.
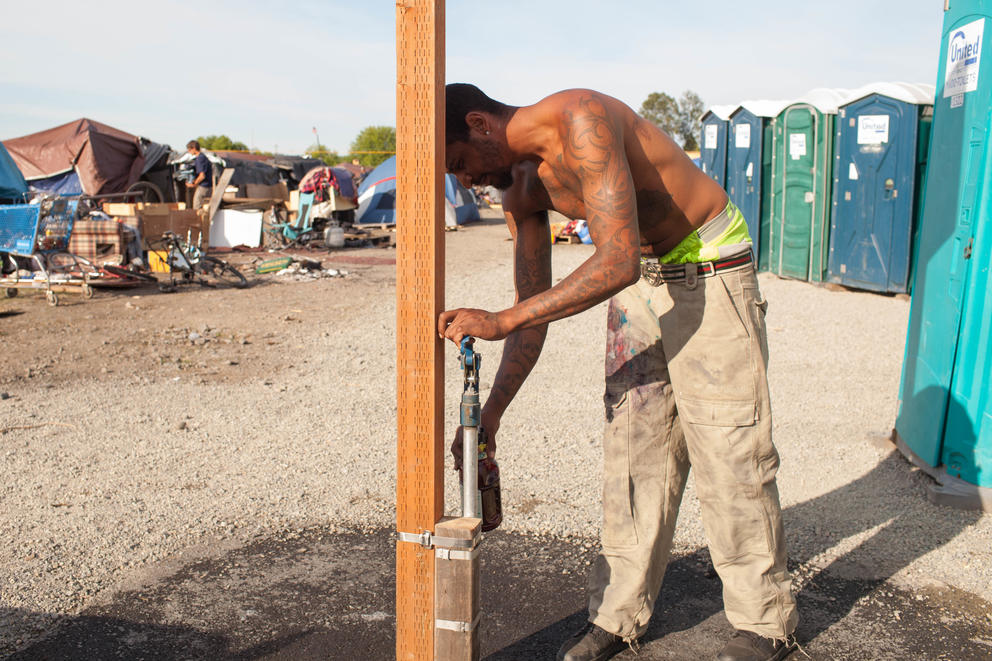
<point x="419" y="300"/>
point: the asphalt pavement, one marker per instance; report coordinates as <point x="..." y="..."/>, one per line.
<point x="323" y="594"/>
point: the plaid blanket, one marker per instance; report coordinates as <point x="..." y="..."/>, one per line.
<point x="100" y="240"/>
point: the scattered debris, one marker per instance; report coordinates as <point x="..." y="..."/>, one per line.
<point x="310" y="270"/>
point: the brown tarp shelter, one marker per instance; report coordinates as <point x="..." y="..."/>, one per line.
<point x="107" y="160"/>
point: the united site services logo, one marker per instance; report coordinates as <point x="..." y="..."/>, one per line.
<point x="963" y="53"/>
<point x="964" y="59"/>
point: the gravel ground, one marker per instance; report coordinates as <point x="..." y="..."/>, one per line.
<point x="124" y="442"/>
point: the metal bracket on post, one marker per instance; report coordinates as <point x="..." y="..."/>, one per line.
<point x="429" y="540"/>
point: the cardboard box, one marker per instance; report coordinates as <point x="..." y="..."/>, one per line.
<point x="156" y="220"/>
<point x="261" y="191"/>
<point x="128" y="209"/>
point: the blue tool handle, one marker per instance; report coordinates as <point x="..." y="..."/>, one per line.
<point x="467" y="354"/>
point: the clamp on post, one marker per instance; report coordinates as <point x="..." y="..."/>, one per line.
<point x="429" y="540"/>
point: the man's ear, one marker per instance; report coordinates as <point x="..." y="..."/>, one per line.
<point x="478" y="121"/>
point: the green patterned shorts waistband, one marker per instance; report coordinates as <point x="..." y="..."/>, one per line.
<point x="724" y="235"/>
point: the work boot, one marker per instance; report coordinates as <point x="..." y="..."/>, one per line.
<point x="749" y="646"/>
<point x="591" y="643"/>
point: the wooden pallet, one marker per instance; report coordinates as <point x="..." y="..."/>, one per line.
<point x="375" y="237"/>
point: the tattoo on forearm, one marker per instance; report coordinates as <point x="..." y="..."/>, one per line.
<point x="532" y="275"/>
<point x="520" y="353"/>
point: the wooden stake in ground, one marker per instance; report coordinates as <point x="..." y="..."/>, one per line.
<point x="419" y="300"/>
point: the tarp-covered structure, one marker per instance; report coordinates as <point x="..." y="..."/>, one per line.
<point x="12" y="184"/>
<point x="84" y="156"/>
<point x="295" y="167"/>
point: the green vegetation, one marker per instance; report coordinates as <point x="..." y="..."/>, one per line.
<point x="319" y="151"/>
<point x="679" y="119"/>
<point x="221" y="142"/>
<point x="374" y="144"/>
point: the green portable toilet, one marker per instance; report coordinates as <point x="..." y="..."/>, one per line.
<point x="945" y="401"/>
<point x="802" y="182"/>
<point x="749" y="168"/>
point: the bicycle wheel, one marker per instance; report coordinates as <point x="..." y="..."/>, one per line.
<point x="128" y="273"/>
<point x="222" y="272"/>
<point x="149" y="192"/>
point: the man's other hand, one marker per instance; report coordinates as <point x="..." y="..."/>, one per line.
<point x="459" y="323"/>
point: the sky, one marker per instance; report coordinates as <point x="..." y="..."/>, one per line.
<point x="268" y="73"/>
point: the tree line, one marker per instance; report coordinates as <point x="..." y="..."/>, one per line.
<point x="372" y="146"/>
<point x="679" y="119"/>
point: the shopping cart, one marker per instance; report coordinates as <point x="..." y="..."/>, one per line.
<point x="40" y="232"/>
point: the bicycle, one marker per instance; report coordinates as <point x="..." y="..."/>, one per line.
<point x="194" y="266"/>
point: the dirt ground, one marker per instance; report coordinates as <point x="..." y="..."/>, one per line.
<point x="143" y="334"/>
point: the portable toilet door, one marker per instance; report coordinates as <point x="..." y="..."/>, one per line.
<point x="803" y="173"/>
<point x="749" y="163"/>
<point x="945" y="413"/>
<point x="713" y="146"/>
<point x="744" y="145"/>
<point x="874" y="192"/>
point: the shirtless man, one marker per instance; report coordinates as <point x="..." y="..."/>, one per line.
<point x="686" y="349"/>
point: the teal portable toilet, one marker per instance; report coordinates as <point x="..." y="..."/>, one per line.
<point x="882" y="135"/>
<point x="713" y="143"/>
<point x="944" y="423"/>
<point x="749" y="167"/>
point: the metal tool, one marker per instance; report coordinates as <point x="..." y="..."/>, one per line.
<point x="470" y="417"/>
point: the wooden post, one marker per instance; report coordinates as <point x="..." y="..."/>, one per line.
<point x="456" y="601"/>
<point x="419" y="300"/>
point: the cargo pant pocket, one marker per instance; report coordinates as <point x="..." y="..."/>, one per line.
<point x="618" y="515"/>
<point x="712" y="363"/>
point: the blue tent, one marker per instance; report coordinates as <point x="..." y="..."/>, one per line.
<point x="377" y="198"/>
<point x="12" y="183"/>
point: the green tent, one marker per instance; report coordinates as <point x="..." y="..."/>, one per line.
<point x="802" y="183"/>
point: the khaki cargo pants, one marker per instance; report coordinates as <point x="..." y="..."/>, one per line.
<point x="686" y="385"/>
<point x="201" y="195"/>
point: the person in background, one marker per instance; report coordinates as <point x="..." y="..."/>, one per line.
<point x="204" y="181"/>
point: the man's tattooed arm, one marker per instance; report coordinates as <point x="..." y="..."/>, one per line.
<point x="532" y="275"/>
<point x="593" y="159"/>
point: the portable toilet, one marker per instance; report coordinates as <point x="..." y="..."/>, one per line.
<point x="883" y="132"/>
<point x="749" y="165"/>
<point x="713" y="146"/>
<point x="802" y="176"/>
<point x="944" y="423"/>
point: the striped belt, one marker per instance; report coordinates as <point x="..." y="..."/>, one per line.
<point x="655" y="273"/>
